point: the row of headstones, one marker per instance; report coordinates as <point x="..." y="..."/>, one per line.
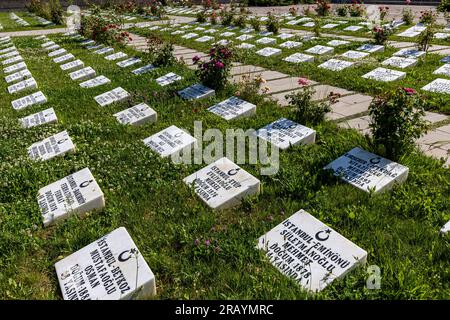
<point x="402" y="59"/>
<point x="40" y="19"/>
<point x="124" y="17"/>
<point x="222" y="184"/>
<point x="18" y="19"/>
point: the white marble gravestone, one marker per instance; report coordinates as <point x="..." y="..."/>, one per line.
<point x="189" y="35"/>
<point x="168" y="79"/>
<point x="116" y="95"/>
<point x="245" y="45"/>
<point x="269" y="51"/>
<point x="177" y="32"/>
<point x="82" y="74"/>
<point x="87" y="42"/>
<point x="247" y="30"/>
<point x="385" y="75"/>
<point x="304" y="249"/>
<point x="12" y="60"/>
<point x="371" y="48"/>
<point x="354" y="55"/>
<point x="56" y="145"/>
<point x="409" y="53"/>
<point x="309" y="25"/>
<point x="47" y="44"/>
<point x="399" y="62"/>
<point x="29" y="83"/>
<point x="223" y="184"/>
<point x="227" y="34"/>
<point x="144" y="69"/>
<point x="95" y="82"/>
<point x="64" y="58"/>
<point x="9" y="54"/>
<point x="111" y="268"/>
<point x="72" y="65"/>
<point x="330" y="26"/>
<point x="9" y="49"/>
<point x="128" y="62"/>
<point x="353" y="28"/>
<point x="136" y="115"/>
<point x="170" y="141"/>
<point x="210" y="31"/>
<point x="336" y="64"/>
<point x="266" y="40"/>
<point x="439" y="86"/>
<point x="15" y="67"/>
<point x="51" y="48"/>
<point x="42" y="117"/>
<point x="290" y="44"/>
<point x="446" y="228"/>
<point x="94" y="46"/>
<point x="445" y="59"/>
<point x="233" y="108"/>
<point x="244" y="37"/>
<point x="77" y="193"/>
<point x="368" y="171"/>
<point x="115" y="56"/>
<point x="285" y="36"/>
<point x="284" y="133"/>
<point x="445" y="70"/>
<point x="27" y="101"/>
<point x="57" y="52"/>
<point x="195" y="92"/>
<point x="18" y="76"/>
<point x="299" y="57"/>
<point x="320" y="50"/>
<point x="104" y="50"/>
<point x="204" y="39"/>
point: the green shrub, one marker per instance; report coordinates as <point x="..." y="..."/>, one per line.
<point x="407" y="16"/>
<point x="56" y="12"/>
<point x="272" y="23"/>
<point x="255" y="23"/>
<point x="214" y="73"/>
<point x="201" y="16"/>
<point x="159" y="52"/>
<point x="444" y="6"/>
<point x="240" y="21"/>
<point x="323" y="8"/>
<point x="397" y="121"/>
<point x="342" y="11"/>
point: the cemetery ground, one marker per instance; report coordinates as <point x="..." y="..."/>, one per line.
<point x="195" y="252"/>
<point x="350" y="78"/>
<point x="11" y="25"/>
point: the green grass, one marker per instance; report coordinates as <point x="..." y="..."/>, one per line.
<point x="349" y="78"/>
<point x="145" y="193"/>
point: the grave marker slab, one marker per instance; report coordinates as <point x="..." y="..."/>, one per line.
<point x="32" y="99"/>
<point x="438" y="85"/>
<point x="330" y="26"/>
<point x="114" y="257"/>
<point x="371" y="48"/>
<point x="15" y="67"/>
<point x="284" y="133"/>
<point x="168" y="79"/>
<point x="144" y="69"/>
<point x="336" y="65"/>
<point x="9" y="54"/>
<point x="244" y="37"/>
<point x="136" y="115"/>
<point x="285" y="36"/>
<point x="82" y="74"/>
<point x="47" y="44"/>
<point x="77" y="193"/>
<point x="54" y="146"/>
<point x="128" y="62"/>
<point x="290" y="44"/>
<point x="95" y="82"/>
<point x="104" y="50"/>
<point x="195" y="92"/>
<point x="51" y="48"/>
<point x="72" y="65"/>
<point x="227" y="34"/>
<point x="170" y="141"/>
<point x="320" y="50"/>
<point x="304" y="242"/>
<point x="299" y="57"/>
<point x="190" y="35"/>
<point x="368" y="171"/>
<point x="309" y="25"/>
<point x="9" y="49"/>
<point x="115" y="56"/>
<point x="266" y="40"/>
<point x="204" y="39"/>
<point x="336" y="43"/>
<point x="354" y="55"/>
<point x="116" y="95"/>
<point x="446" y="228"/>
<point x="223" y="184"/>
<point x="57" y="52"/>
<point x="12" y="60"/>
<point x="409" y="53"/>
<point x="386" y="75"/>
<point x="399" y="62"/>
<point x="269" y="51"/>
<point x="23" y="85"/>
<point x="18" y="76"/>
<point x="353" y="28"/>
<point x="64" y="58"/>
<point x="94" y="47"/>
<point x="42" y="117"/>
<point x="233" y="108"/>
<point x="245" y="45"/>
<point x="445" y="70"/>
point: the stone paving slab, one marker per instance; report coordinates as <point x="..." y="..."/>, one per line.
<point x="436" y="143"/>
<point x="244" y="69"/>
<point x="37" y="32"/>
<point x="322" y="92"/>
<point x="266" y="75"/>
<point x="283" y="85"/>
<point x="361" y="124"/>
<point x="349" y="105"/>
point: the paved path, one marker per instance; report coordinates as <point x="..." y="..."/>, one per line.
<point x="351" y="111"/>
